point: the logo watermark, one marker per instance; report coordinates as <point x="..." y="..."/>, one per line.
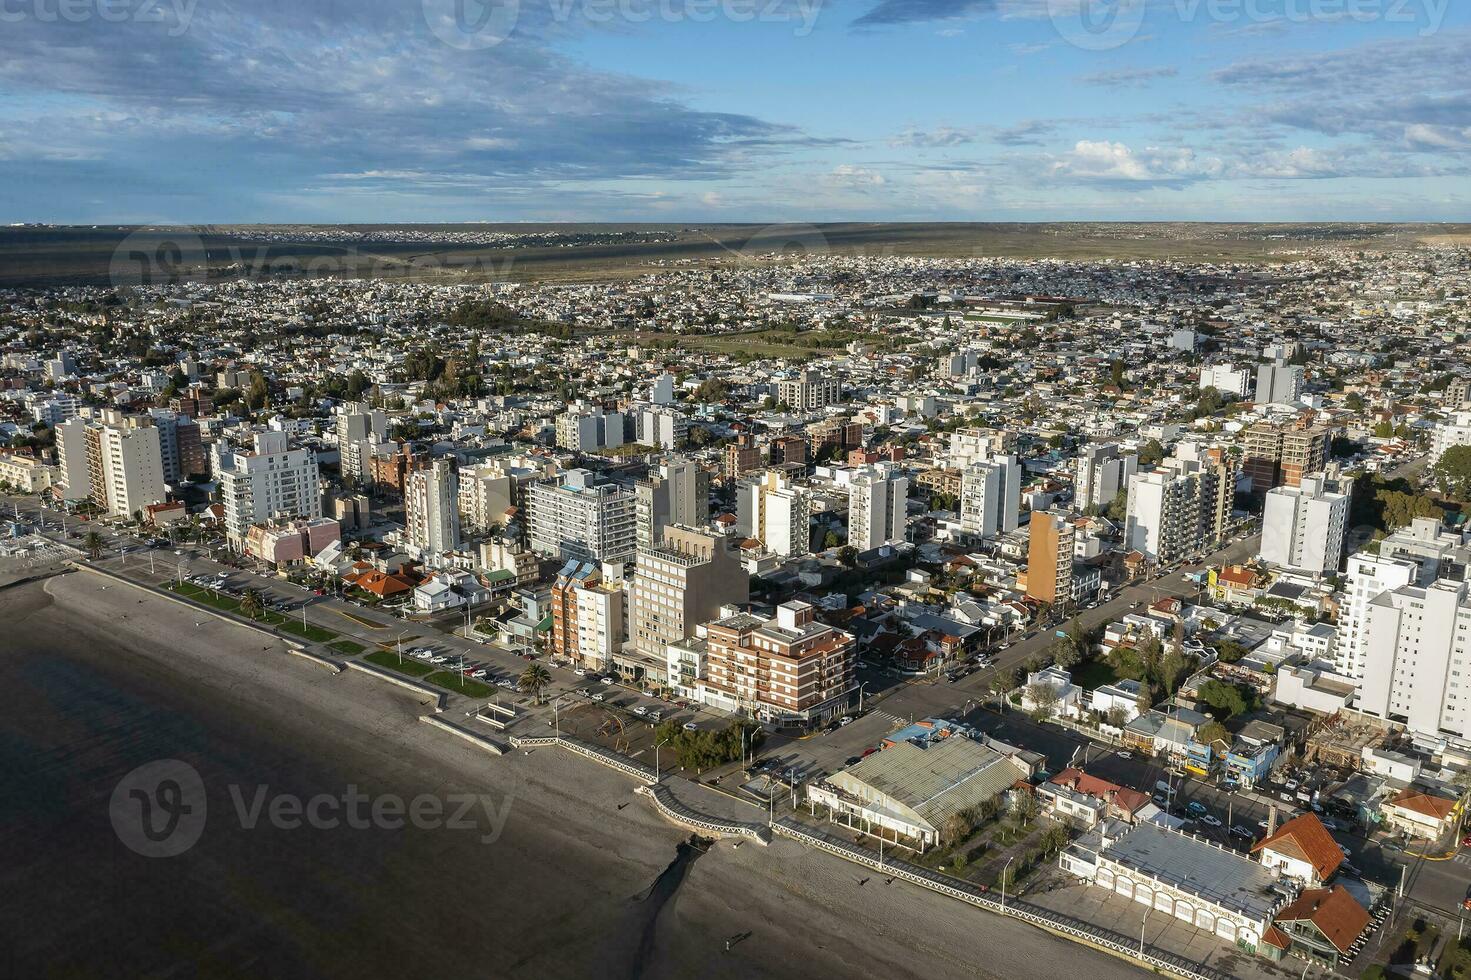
<point x="475" y="25"/>
<point x="175" y="14"/>
<point x="160" y="810"/>
<point x="176" y="256"/>
<point x="1102" y="25"/>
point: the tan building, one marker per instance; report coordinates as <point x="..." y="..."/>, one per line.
<point x="1278" y="456"/>
<point x="677" y="585"/>
<point x="788" y="669"/>
<point x="28" y="474"/>
<point x="1050" y="558"/>
<point x="741" y="457"/>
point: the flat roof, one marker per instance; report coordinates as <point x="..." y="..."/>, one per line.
<point x="1217" y="875"/>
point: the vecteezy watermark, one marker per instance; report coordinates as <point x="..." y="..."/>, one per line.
<point x="176" y="14"/>
<point x="474" y="25"/>
<point x="1101" y="25"/>
<point x="159" y="810"/>
<point x="170" y="256"/>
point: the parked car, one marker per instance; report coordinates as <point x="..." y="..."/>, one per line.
<point x="1195" y="807"/>
<point x="1240" y="831"/>
<point x="1210" y="821"/>
<point x="640" y="710"/>
<point x="690" y="726"/>
<point x="845" y="720"/>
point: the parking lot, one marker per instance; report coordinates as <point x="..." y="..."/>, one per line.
<point x="829" y="751"/>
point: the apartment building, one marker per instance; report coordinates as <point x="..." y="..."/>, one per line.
<point x="361" y="430"/>
<point x="676" y="491"/>
<point x="1303" y="527"/>
<point x="1179" y="509"/>
<point x="1278" y="382"/>
<point x="1412" y="557"/>
<point x="583" y="516"/>
<point x="587" y="615"/>
<point x="660" y="427"/>
<point x="1456" y="432"/>
<point x="1050" y="557"/>
<point x="741" y="457"/>
<point x="876" y="508"/>
<point x="990" y="496"/>
<point x="977" y="444"/>
<point x="180" y="447"/>
<point x="1100" y="474"/>
<point x="586" y="429"/>
<point x="1281" y="456"/>
<point x="679" y="584"/>
<point x="1417" y="669"/>
<point x="28" y="474"/>
<point x="787" y="669"/>
<point x="71" y="459"/>
<point x="1226" y="379"/>
<point x="486" y="493"/>
<point x="122" y="460"/>
<point x="432" y="510"/>
<point x="269" y="482"/>
<point x="809" y="391"/>
<point x="776" y="512"/>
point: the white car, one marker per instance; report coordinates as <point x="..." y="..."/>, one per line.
<point x="1210" y="821"/>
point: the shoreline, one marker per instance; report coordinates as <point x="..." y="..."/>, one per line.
<point x="805" y="911"/>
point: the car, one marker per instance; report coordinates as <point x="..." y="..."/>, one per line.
<point x="690" y="726"/>
<point x="845" y="720"/>
<point x="1392" y="845"/>
<point x="441" y="658"/>
<point x="1195" y="807"/>
<point x="1346" y="852"/>
<point x="1466" y="841"/>
<point x="1240" y="831"/>
<point x="640" y="710"/>
<point x="597" y="695"/>
<point x="477" y="673"/>
<point x="506" y="682"/>
<point x="1210" y="821"/>
<point x="852" y="760"/>
<point x="1126" y="755"/>
<point x="655" y="716"/>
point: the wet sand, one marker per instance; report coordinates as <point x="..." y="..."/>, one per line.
<point x="95" y="682"/>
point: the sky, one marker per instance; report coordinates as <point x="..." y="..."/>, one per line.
<point x="230" y="111"/>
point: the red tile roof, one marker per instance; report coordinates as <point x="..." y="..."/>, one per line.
<point x="1435" y="807"/>
<point x="1121" y="797"/>
<point x="1336" y="913"/>
<point x="1306" y="839"/>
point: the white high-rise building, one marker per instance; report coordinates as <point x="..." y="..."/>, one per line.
<point x="360" y="430"/>
<point x="674" y="492"/>
<point x="1415" y="557"/>
<point x="660" y="427"/>
<point x="1456" y="432"/>
<point x="584" y="518"/>
<point x="127" y="467"/>
<point x="1303" y="527"/>
<point x="776" y="512"/>
<point x="662" y="392"/>
<point x="1417" y="670"/>
<point x="432" y="510"/>
<point x="587" y="429"/>
<point x="1178" y="509"/>
<point x="980" y="499"/>
<point x="272" y="481"/>
<point x="1278" y="383"/>
<point x="876" y="508"/>
<point x="1226" y="379"/>
<point x="809" y="390"/>
<point x="1101" y="473"/>
<point x="487" y="491"/>
<point x="71" y="457"/>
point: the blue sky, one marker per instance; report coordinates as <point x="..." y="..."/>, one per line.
<point x="734" y="110"/>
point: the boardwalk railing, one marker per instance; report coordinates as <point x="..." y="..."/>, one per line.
<point x="597" y="753"/>
<point x="669" y="805"/>
<point x="965" y="892"/>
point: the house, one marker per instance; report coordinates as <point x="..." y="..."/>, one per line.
<point x="1122" y="696"/>
<point x="1082" y="800"/>
<point x="1302" y="849"/>
<point x="1419" y="813"/>
<point x="1321" y="927"/>
<point x="1067" y="696"/>
<point x="436" y="595"/>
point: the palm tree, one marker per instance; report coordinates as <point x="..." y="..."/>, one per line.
<point x="93" y="543"/>
<point x="251" y="603"/>
<point x="534" y="680"/>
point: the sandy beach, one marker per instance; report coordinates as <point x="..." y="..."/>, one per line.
<point x="99" y="681"/>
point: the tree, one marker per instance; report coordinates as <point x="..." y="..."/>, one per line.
<point x="534" y="680"/>
<point x="1044" y="698"/>
<point x="93" y="543"/>
<point x="252" y="604"/>
<point x="1228" y="700"/>
<point x="1065" y="654"/>
<point x="1452" y="472"/>
<point x="1211" y="732"/>
<point x="1117" y="716"/>
<point x="848" y="555"/>
<point x="1152" y="453"/>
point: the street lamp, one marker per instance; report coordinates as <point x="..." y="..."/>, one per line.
<point x="399" y="640"/>
<point x="557" y="722"/>
<point x="1004" y="869"/>
<point x="656" y="755"/>
<point x="1141" y="932"/>
<point x="860" y="696"/>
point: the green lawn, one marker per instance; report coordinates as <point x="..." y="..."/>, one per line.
<point x="216" y="600"/>
<point x="348" y="647"/>
<point x="1092" y="674"/>
<point x="389" y="659"/>
<point x="450" y="680"/>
